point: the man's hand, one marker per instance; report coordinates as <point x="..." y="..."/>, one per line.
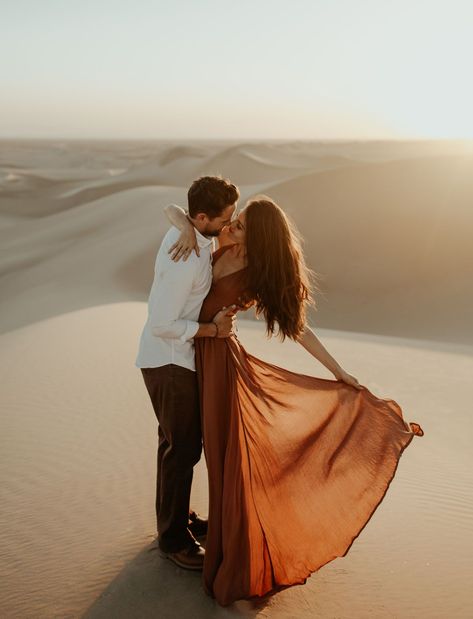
<point x="225" y="321"/>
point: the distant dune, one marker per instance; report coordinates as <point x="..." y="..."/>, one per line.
<point x="387" y="225"/>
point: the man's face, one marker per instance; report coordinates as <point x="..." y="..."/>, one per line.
<point x="214" y="226"/>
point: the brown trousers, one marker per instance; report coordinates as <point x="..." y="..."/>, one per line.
<point x="174" y="394"/>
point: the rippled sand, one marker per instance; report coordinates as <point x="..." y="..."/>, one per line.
<point x="78" y="444"/>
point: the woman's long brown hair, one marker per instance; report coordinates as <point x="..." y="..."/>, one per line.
<point x="278" y="277"/>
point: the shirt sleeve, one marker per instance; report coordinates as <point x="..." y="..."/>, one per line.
<point x="172" y="286"/>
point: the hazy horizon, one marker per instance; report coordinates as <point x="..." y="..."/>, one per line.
<point x="230" y="140"/>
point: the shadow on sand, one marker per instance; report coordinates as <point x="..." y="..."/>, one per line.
<point x="152" y="587"/>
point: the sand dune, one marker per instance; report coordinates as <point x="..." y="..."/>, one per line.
<point x="386" y="225"/>
<point x="389" y="237"/>
<point x="394" y="244"/>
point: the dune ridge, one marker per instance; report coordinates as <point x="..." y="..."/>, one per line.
<point x="386" y="225"/>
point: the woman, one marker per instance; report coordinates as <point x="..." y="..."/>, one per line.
<point x="297" y="464"/>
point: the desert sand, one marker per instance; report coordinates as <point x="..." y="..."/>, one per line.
<point x="387" y="226"/>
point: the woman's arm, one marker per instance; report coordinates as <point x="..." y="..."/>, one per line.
<point x="187" y="241"/>
<point x="313" y="345"/>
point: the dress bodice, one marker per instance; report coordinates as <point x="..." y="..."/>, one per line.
<point x="231" y="289"/>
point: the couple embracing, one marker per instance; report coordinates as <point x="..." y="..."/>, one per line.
<point x="296" y="464"/>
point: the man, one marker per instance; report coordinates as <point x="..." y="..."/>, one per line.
<point x="166" y="359"/>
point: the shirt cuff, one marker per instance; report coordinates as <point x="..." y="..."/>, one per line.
<point x="191" y="329"/>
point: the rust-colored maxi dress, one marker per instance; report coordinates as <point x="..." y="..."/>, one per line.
<point x="296" y="464"/>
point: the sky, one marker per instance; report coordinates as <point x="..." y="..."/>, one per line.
<point x="299" y="69"/>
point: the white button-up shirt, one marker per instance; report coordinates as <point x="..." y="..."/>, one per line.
<point x="174" y="303"/>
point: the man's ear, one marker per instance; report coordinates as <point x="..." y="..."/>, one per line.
<point x="201" y="218"/>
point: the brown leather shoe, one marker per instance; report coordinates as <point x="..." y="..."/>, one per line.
<point x="190" y="558"/>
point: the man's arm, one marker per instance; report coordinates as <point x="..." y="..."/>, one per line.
<point x="173" y="286"/>
<point x="174" y="283"/>
<point x="221" y="325"/>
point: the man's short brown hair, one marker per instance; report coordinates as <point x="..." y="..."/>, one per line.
<point x="211" y="195"/>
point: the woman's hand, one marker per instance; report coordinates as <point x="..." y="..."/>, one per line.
<point x="348" y="379"/>
<point x="185" y="244"/>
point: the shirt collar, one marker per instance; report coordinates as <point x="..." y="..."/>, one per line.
<point x="203" y="241"/>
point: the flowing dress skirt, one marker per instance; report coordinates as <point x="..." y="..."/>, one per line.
<point x="296" y="464"/>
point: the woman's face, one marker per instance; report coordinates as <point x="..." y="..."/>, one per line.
<point x="236" y="230"/>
